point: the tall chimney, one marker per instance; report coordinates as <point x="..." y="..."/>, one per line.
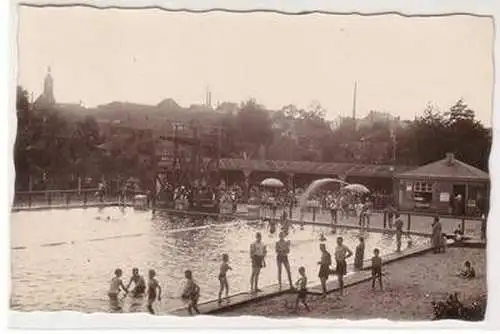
<point x="450" y="158"/>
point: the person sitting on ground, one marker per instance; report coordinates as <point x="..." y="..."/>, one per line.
<point x="376" y="268"/>
<point x="301" y="285"/>
<point x="139" y="283"/>
<point x="191" y="293"/>
<point x="444" y="243"/>
<point x="468" y="271"/>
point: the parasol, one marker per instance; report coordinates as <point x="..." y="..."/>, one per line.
<point x="271" y="182"/>
<point x="359" y="188"/>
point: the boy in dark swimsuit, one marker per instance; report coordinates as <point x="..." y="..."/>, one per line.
<point x="324" y="267"/>
<point x="376" y="268"/>
<point x="342" y="253"/>
<point x="139" y="283"/>
<point x="282" y="249"/>
<point x="302" y="290"/>
<point x="224" y="285"/>
<point x="154" y="290"/>
<point x="191" y="293"/>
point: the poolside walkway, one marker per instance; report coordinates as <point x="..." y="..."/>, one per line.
<point x="353" y="278"/>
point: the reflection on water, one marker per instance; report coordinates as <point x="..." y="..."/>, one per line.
<point x="64" y="259"/>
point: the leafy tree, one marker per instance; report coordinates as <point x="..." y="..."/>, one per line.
<point x="254" y="127"/>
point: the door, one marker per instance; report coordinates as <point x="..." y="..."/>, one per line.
<point x="459" y="199"/>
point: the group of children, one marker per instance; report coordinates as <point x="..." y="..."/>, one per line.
<point x="152" y="289"/>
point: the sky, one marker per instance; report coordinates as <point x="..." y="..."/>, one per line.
<point x="144" y="56"/>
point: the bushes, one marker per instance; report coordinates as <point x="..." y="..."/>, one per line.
<point x="452" y="308"/>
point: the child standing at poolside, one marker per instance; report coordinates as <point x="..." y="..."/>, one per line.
<point x="191" y="293"/>
<point x="114" y="289"/>
<point x="224" y="268"/>
<point x="154" y="290"/>
<point x="376" y="268"/>
<point x="302" y="290"/>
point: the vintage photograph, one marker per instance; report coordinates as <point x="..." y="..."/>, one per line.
<point x="223" y="163"/>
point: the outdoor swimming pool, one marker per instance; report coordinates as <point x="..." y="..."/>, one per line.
<point x="64" y="259"/>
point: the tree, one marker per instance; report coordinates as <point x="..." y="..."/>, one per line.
<point x="434" y="134"/>
<point x="254" y="126"/>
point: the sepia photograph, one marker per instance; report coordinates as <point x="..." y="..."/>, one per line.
<point x="320" y="165"/>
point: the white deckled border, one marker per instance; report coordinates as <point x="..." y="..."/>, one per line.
<point x="74" y="320"/>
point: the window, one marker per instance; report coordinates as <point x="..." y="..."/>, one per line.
<point x="422" y="187"/>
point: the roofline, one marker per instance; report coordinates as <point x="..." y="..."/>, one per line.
<point x="440" y="178"/>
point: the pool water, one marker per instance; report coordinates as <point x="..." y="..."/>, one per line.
<point x="64" y="259"/>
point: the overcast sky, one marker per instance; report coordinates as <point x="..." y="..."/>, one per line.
<point x="144" y="56"/>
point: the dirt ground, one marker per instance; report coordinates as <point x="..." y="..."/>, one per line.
<point x="409" y="288"/>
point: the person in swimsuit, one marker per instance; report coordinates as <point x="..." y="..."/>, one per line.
<point x="257" y="255"/>
<point x="398" y="224"/>
<point x="224" y="285"/>
<point x="360" y="254"/>
<point x="191" y="293"/>
<point x="114" y="289"/>
<point x="376" y="268"/>
<point x="139" y="283"/>
<point x="302" y="290"/>
<point x="154" y="290"/>
<point x="282" y="251"/>
<point x="272" y="226"/>
<point x="324" y="267"/>
<point x="342" y="253"/>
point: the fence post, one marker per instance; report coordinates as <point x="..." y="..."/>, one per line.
<point x="385" y="219"/>
<point x="314" y="213"/>
<point x="49" y="198"/>
<point x="29" y="200"/>
<point x="67" y="198"/>
<point x="85" y="198"/>
<point x="290" y="211"/>
<point x="463" y="225"/>
<point x="409" y="222"/>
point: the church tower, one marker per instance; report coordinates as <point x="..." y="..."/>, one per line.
<point x="48" y="88"/>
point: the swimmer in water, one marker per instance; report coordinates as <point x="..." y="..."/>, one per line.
<point x="322" y="237"/>
<point x="139" y="283"/>
<point x="272" y="226"/>
<point x="154" y="290"/>
<point x="115" y="288"/>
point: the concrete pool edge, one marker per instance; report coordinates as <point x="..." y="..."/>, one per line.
<point x="68" y="206"/>
<point x="355" y="277"/>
